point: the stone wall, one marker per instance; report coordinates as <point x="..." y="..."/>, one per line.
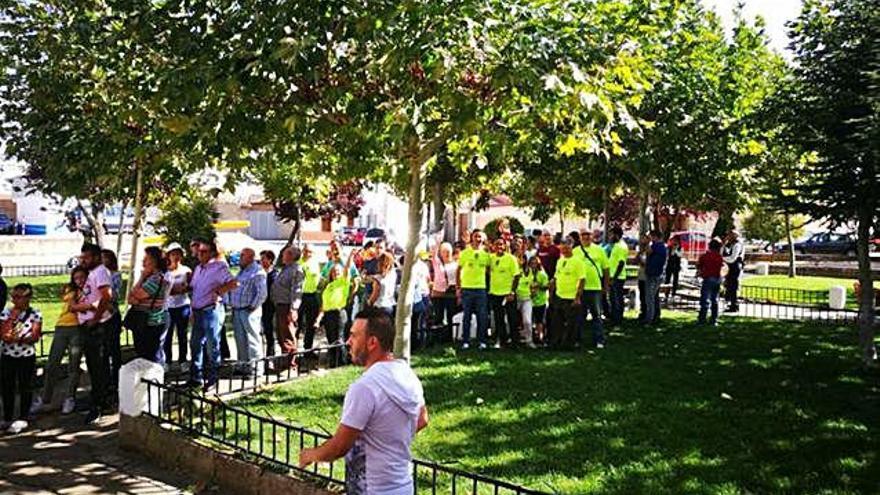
<point x="177" y="451"/>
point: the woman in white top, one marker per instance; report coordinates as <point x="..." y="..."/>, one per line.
<point x="385" y="281"/>
<point x="443" y="285"/>
<point x="177" y="303"/>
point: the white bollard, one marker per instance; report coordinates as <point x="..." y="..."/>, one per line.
<point x="133" y="396"/>
<point x="762" y="268"/>
<point x="837" y="297"/>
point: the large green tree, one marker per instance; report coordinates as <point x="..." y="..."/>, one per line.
<point x="833" y="110"/>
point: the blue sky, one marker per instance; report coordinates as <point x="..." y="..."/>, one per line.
<point x="775" y="12"/>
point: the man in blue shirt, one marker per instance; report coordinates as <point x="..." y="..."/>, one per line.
<point x="247" y="312"/>
<point x="654" y="266"/>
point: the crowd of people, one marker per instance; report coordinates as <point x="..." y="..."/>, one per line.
<point x="516" y="290"/>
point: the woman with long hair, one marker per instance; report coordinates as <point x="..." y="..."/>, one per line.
<point x="67" y="338"/>
<point x="146" y="317"/>
<point x="384" y="283"/>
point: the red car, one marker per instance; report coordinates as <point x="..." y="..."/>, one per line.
<point x="693" y="243"/>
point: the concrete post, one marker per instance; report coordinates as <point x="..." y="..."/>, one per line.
<point x="837" y="297"/>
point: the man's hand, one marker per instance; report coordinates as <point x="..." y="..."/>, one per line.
<point x="510" y="297"/>
<point x="307" y="457"/>
<point x="93" y="322"/>
<point x="576" y="302"/>
<point x="458" y="296"/>
<point x="294" y="315"/>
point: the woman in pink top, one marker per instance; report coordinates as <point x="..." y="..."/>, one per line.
<point x="443" y="284"/>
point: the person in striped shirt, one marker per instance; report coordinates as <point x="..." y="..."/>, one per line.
<point x="246" y="301"/>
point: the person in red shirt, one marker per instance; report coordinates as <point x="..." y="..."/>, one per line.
<point x="548" y="253"/>
<point x="709" y="269"/>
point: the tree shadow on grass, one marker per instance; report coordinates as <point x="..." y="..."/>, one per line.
<point x="751" y="407"/>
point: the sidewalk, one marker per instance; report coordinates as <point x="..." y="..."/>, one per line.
<point x="59" y="454"/>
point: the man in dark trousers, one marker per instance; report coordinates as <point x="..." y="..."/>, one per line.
<point x="734" y="254"/>
<point x="267" y="259"/>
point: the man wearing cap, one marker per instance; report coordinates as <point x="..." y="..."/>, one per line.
<point x="566" y="290"/>
<point x="177" y="303"/>
<point x="734" y="253"/>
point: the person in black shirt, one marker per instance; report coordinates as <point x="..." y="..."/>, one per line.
<point x="4" y="290"/>
<point x="267" y="259"/>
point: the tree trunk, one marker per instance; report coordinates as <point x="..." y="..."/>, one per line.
<point x="136" y="227"/>
<point x="439" y="208"/>
<point x="95" y="218"/>
<point x="724" y="223"/>
<point x="405" y="296"/>
<point x="643" y="212"/>
<point x="121" y="230"/>
<point x="866" y="300"/>
<point x="562" y="222"/>
<point x="297" y="225"/>
<point x="792" y="267"/>
<point x="606" y="199"/>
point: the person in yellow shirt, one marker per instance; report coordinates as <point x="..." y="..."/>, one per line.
<point x="617" y="273"/>
<point x="595" y="284"/>
<point x="504" y="273"/>
<point x="308" y="309"/>
<point x="473" y="271"/>
<point x="334" y="299"/>
<point x="567" y="289"/>
<point x="67" y="337"/>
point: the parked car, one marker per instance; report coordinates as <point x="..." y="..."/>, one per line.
<point x="827" y="243"/>
<point x="692" y="242"/>
<point x="351" y="236"/>
<point x="373" y="235"/>
<point x="7" y="225"/>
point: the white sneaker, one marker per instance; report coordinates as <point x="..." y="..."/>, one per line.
<point x="600" y="346"/>
<point x="482" y="346"/>
<point x="465" y="346"/>
<point x="68" y="406"/>
<point x="17" y="427"/>
<point x="36" y="405"/>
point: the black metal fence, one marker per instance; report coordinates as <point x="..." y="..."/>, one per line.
<point x="764" y="302"/>
<point x="277" y="442"/>
<point x="239" y="377"/>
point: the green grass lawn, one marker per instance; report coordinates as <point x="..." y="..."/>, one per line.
<point x="750" y="407"/>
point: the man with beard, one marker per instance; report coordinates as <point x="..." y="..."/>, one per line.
<point x="382" y="412"/>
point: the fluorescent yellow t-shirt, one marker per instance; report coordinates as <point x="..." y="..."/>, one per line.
<point x="569" y="271"/>
<point x="473" y="265"/>
<point x="502" y="270"/>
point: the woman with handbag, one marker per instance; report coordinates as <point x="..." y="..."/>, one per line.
<point x="146" y="315"/>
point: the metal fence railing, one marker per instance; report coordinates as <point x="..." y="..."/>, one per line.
<point x="764" y="302"/>
<point x="36" y="270"/>
<point x="271" y="440"/>
<point x="237" y="377"/>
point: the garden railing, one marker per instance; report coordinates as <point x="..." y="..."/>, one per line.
<point x="279" y="443"/>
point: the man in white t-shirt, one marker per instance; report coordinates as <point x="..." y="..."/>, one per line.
<point x="93" y="314"/>
<point x="382" y="412"/>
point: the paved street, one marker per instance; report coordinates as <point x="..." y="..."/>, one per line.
<point x="61" y="455"/>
